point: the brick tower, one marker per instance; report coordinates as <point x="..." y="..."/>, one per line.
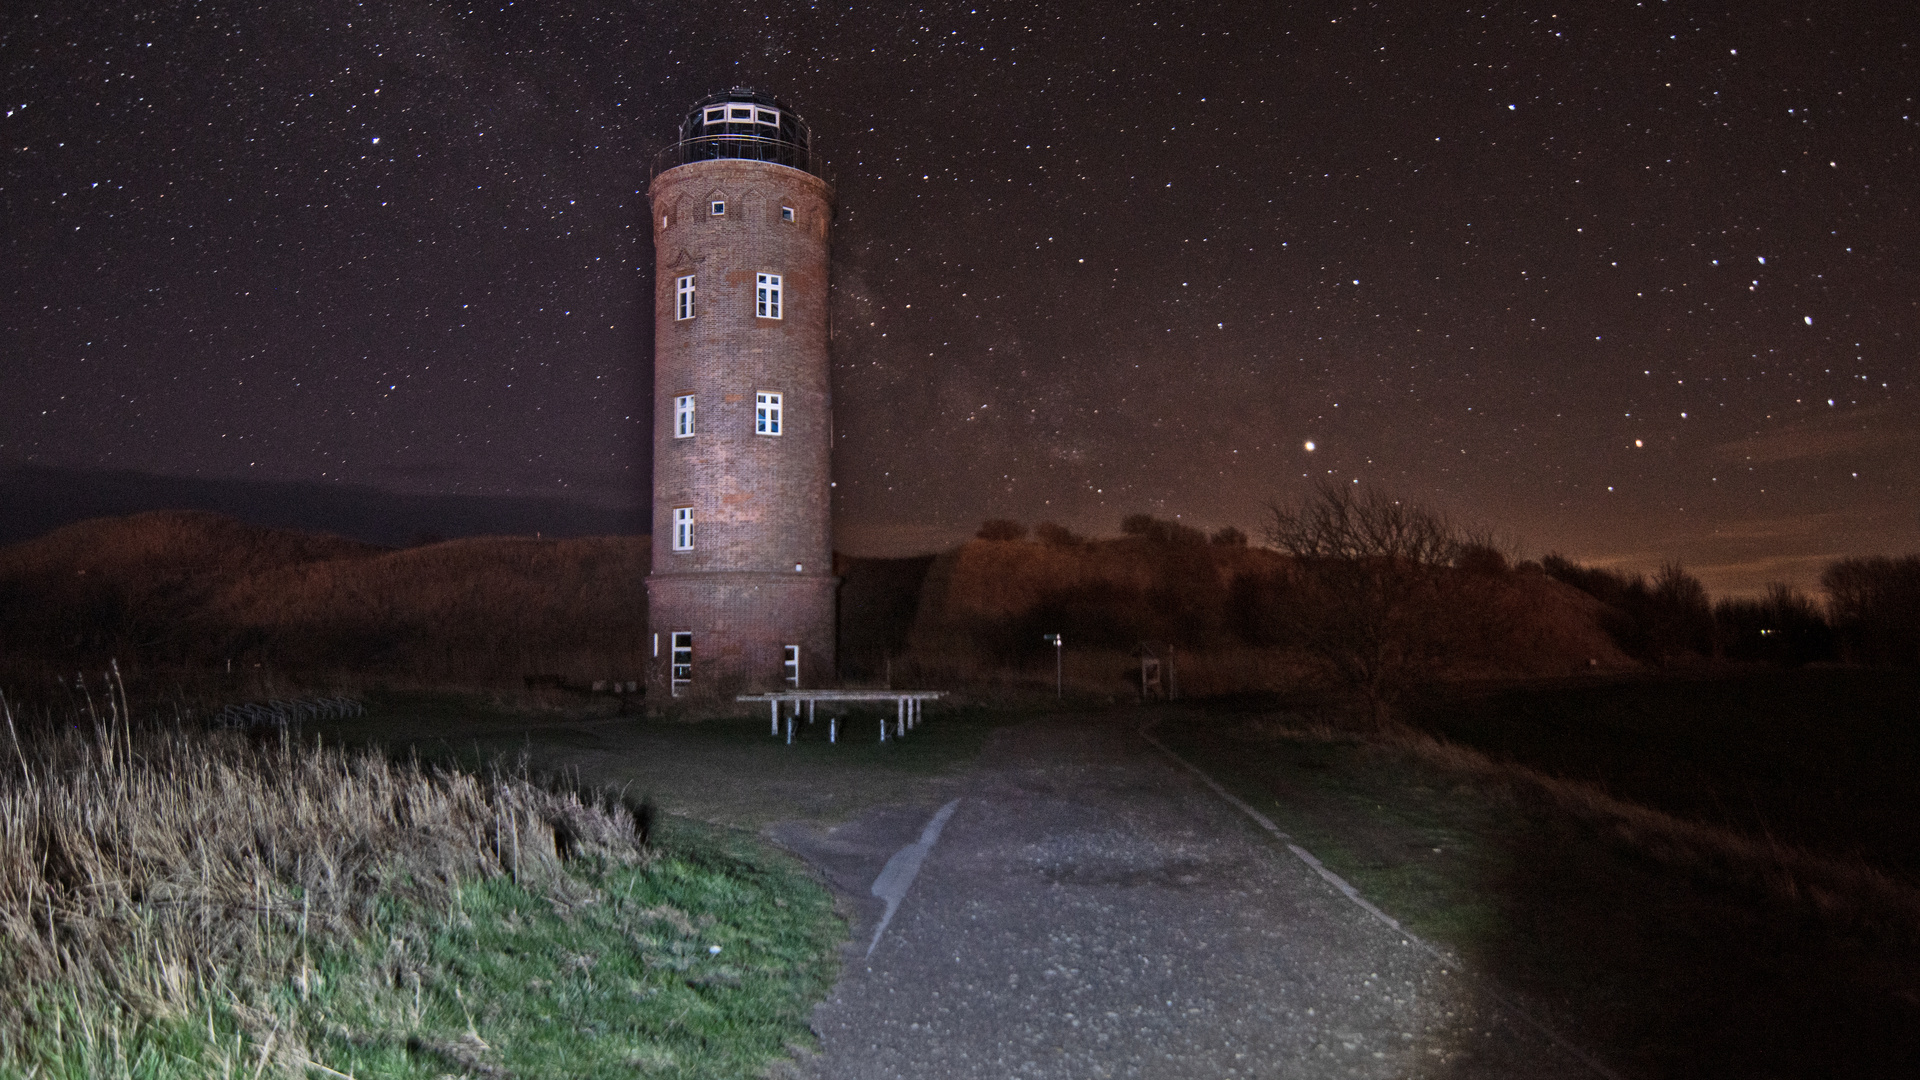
<point x="741" y="596"/>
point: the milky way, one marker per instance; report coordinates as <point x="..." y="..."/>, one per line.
<point x="1631" y="282"/>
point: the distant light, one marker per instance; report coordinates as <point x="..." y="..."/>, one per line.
<point x="376" y="140"/>
<point x="1309" y="445"/>
<point x="1809" y="320"/>
<point x="1637" y="442"/>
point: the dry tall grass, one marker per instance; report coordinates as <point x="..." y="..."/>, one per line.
<point x="148" y="875"/>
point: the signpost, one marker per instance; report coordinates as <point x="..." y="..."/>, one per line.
<point x="1059" y="686"/>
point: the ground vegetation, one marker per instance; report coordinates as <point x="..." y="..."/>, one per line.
<point x="1667" y="943"/>
<point x="184" y="903"/>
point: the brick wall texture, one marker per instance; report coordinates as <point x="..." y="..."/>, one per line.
<point x="760" y="575"/>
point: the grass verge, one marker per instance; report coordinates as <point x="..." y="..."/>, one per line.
<point x="727" y="770"/>
<point x="180" y="903"/>
<point x="1669" y="948"/>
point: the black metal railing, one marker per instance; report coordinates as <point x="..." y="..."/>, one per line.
<point x="741" y="148"/>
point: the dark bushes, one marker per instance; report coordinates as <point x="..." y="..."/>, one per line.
<point x="1656" y="622"/>
<point x="1875" y="607"/>
<point x="1001" y="529"/>
<point x="1784" y="627"/>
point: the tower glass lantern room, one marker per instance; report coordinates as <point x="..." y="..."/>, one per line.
<point x="741" y="124"/>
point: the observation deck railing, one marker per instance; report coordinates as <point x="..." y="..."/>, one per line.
<point x="740" y="148"/>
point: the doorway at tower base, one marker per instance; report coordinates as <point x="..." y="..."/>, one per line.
<point x="720" y="634"/>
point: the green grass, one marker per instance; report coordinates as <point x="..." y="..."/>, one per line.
<point x="623" y="982"/>
<point x="1410" y="840"/>
<point x="618" y="979"/>
<point x="729" y="770"/>
<point x="183" y="903"/>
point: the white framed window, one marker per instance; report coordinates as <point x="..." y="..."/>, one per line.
<point x="766" y="413"/>
<point x="683" y="416"/>
<point x="719" y="207"/>
<point x="740" y="112"/>
<point x="793" y="666"/>
<point x="786" y="213"/>
<point x="681" y="672"/>
<point x="683" y="297"/>
<point x="683" y="528"/>
<point x="766" y="296"/>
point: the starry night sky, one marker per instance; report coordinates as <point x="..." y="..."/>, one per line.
<point x="1630" y="281"/>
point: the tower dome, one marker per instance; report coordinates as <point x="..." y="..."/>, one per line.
<point x="742" y="124"/>
<point x="741" y="595"/>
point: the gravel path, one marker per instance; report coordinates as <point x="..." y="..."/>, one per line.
<point x="1092" y="910"/>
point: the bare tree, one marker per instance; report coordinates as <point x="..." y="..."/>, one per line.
<point x="1875" y="607"/>
<point x="1370" y="585"/>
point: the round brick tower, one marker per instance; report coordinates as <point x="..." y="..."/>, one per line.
<point x="741" y="597"/>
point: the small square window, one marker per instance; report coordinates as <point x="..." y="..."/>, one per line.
<point x="683" y="297"/>
<point x="766" y="413"/>
<point x="715" y="114"/>
<point x="766" y="296"/>
<point x="719" y="207"/>
<point x="786" y="213"/>
<point x="683" y="416"/>
<point x="683" y="528"/>
<point x="738" y="113"/>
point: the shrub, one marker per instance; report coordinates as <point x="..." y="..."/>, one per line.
<point x="1481" y="559"/>
<point x="1784" y="627"/>
<point x="1048" y="532"/>
<point x="1372" y="596"/>
<point x="1159" y="531"/>
<point x="1657" y="622"/>
<point x="1875" y="607"/>
<point x="1001" y="529"/>
<point x="1228" y="536"/>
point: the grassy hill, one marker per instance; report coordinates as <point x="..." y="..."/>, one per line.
<point x="194" y="592"/>
<point x="191" y="590"/>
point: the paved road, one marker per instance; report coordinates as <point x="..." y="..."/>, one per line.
<point x="1092" y="910"/>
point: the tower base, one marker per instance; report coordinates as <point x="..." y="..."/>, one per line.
<point x="739" y="628"/>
